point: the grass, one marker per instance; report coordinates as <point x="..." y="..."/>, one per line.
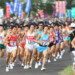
<point x="67" y="71"/>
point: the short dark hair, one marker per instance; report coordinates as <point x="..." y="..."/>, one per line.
<point x="45" y="26"/>
<point x="19" y="26"/>
<point x="31" y="25"/>
<point x="51" y="27"/>
<point x="26" y="26"/>
<point x="41" y="22"/>
<point x="13" y="27"/>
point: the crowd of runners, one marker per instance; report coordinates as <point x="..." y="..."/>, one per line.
<point x="38" y="41"/>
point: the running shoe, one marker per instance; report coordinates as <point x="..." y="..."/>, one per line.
<point x="49" y="60"/>
<point x="22" y="64"/>
<point x="55" y="59"/>
<point x="7" y="69"/>
<point x="30" y="67"/>
<point x="25" y="67"/>
<point x="43" y="69"/>
<point x="36" y="66"/>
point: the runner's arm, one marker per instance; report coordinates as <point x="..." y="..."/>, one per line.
<point x="73" y="43"/>
<point x="37" y="39"/>
<point x="6" y="39"/>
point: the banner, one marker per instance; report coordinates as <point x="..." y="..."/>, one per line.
<point x="73" y="12"/>
<point x="23" y="14"/>
<point x="60" y="15"/>
<point x="7" y="11"/>
<point x="11" y="7"/>
<point x="60" y="7"/>
<point x="41" y="13"/>
<point x="20" y="7"/>
<point x="28" y="6"/>
<point x="54" y="12"/>
<point x="68" y="13"/>
<point x="15" y="6"/>
<point x="1" y="12"/>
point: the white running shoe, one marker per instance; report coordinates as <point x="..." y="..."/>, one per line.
<point x="7" y="69"/>
<point x="39" y="63"/>
<point x="25" y="67"/>
<point x="62" y="53"/>
<point x="11" y="66"/>
<point x="43" y="69"/>
<point x="22" y="64"/>
<point x="60" y="57"/>
<point x="49" y="60"/>
<point x="63" y="50"/>
<point x="36" y="66"/>
<point x="55" y="59"/>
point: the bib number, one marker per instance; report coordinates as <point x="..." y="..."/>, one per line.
<point x="44" y="44"/>
<point x="56" y="38"/>
<point x="13" y="44"/>
<point x="51" y="40"/>
<point x="30" y="42"/>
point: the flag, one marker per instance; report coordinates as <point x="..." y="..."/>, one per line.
<point x="54" y="12"/>
<point x="20" y="7"/>
<point x="28" y="6"/>
<point x="11" y="7"/>
<point x="60" y="15"/>
<point x="23" y="14"/>
<point x="61" y="7"/>
<point x="41" y="13"/>
<point x="15" y="6"/>
<point x="69" y="13"/>
<point x="7" y="11"/>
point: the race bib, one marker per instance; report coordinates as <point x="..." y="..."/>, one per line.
<point x="13" y="44"/>
<point x="30" y="42"/>
<point x="51" y="40"/>
<point x="56" y="38"/>
<point x="45" y="43"/>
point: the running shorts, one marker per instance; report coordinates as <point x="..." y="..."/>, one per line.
<point x="2" y="46"/>
<point x="10" y="49"/>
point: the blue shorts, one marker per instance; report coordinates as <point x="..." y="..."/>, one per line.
<point x="57" y="42"/>
<point x="41" y="49"/>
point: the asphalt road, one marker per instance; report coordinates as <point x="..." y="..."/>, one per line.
<point x="52" y="68"/>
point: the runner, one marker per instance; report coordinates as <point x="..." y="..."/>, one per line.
<point x="51" y="46"/>
<point x="11" y="48"/>
<point x="39" y="31"/>
<point x="43" y="42"/>
<point x="57" y="36"/>
<point x="2" y="36"/>
<point x="26" y="28"/>
<point x="29" y="47"/>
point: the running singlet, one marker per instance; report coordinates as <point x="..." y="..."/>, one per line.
<point x="30" y="38"/>
<point x="52" y="38"/>
<point x="1" y="37"/>
<point x="14" y="39"/>
<point x="57" y="35"/>
<point x="39" y="32"/>
<point x="44" y="39"/>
